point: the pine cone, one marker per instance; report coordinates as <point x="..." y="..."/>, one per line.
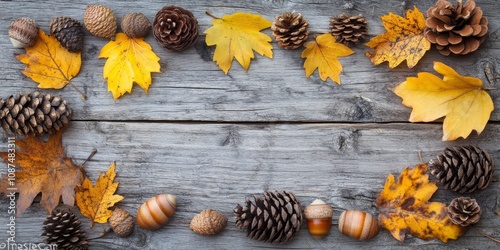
<point x="69" y="32"/>
<point x="276" y="218"/>
<point x="63" y="229"/>
<point x="348" y="30"/>
<point x="290" y="30"/>
<point x="175" y="28"/>
<point x="463" y="169"/>
<point x="456" y="29"/>
<point x="33" y="114"/>
<point x="464" y="211"/>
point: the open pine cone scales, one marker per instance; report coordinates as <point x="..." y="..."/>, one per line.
<point x="63" y="228"/>
<point x="175" y="28"/>
<point x="456" y="29"/>
<point x="348" y="30"/>
<point x="290" y="30"/>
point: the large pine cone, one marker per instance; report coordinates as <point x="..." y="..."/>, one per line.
<point x="463" y="169"/>
<point x="464" y="211"/>
<point x="276" y="218"/>
<point x="456" y="29"/>
<point x="69" y="32"/>
<point x="290" y="30"/>
<point x="175" y="28"/>
<point x="348" y="30"/>
<point x="34" y="114"/>
<point x="63" y="229"/>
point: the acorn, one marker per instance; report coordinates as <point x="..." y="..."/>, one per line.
<point x="100" y="21"/>
<point x="358" y="224"/>
<point x="69" y="33"/>
<point x="135" y="25"/>
<point x="208" y="222"/>
<point x="121" y="222"/>
<point x="319" y="218"/>
<point x="156" y="211"/>
<point x="23" y="32"/>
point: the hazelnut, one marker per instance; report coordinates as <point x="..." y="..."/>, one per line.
<point x="135" y="25"/>
<point x="121" y="222"/>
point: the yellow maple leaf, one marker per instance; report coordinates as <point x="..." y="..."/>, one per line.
<point x="322" y="54"/>
<point x="236" y="36"/>
<point x="404" y="40"/>
<point x="129" y="60"/>
<point x="49" y="64"/>
<point x="94" y="202"/>
<point x="404" y="207"/>
<point x="466" y="105"/>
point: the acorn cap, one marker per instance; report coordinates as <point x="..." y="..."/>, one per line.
<point x="318" y="209"/>
<point x="208" y="222"/>
<point x="121" y="222"/>
<point x="100" y="21"/>
<point x="135" y="25"/>
<point x="23" y="32"/>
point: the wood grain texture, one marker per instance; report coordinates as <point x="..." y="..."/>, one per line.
<point x="214" y="139"/>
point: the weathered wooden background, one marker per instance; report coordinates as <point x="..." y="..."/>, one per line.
<point x="213" y="139"/>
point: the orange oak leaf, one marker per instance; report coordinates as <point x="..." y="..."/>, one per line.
<point x="403" y="40"/>
<point x="461" y="99"/>
<point x="129" y="60"/>
<point x="49" y="64"/>
<point x="404" y="207"/>
<point x="322" y="54"/>
<point x="94" y="201"/>
<point x="41" y="167"/>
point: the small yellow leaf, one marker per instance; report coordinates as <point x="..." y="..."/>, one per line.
<point x="129" y="60"/>
<point x="49" y="64"/>
<point x="94" y="201"/>
<point x="461" y="99"/>
<point x="404" y="40"/>
<point x="236" y="36"/>
<point x="404" y="207"/>
<point x="322" y="54"/>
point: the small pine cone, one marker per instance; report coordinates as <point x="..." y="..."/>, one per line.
<point x="456" y="29"/>
<point x="290" y="30"/>
<point x="69" y="32"/>
<point x="34" y="114"/>
<point x="464" y="211"/>
<point x="276" y="218"/>
<point x="63" y="229"/>
<point x="175" y="28"/>
<point x="348" y="30"/>
<point x="463" y="169"/>
<point x="100" y="21"/>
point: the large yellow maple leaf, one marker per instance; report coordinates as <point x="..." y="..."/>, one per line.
<point x="403" y="40"/>
<point x="461" y="99"/>
<point x="41" y="167"/>
<point x="94" y="201"/>
<point x="236" y="36"/>
<point x="49" y="64"/>
<point x="404" y="207"/>
<point x="322" y="54"/>
<point x="129" y="60"/>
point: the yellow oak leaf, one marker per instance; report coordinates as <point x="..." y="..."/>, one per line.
<point x="129" y="60"/>
<point x="49" y="64"/>
<point x="322" y="54"/>
<point x="40" y="167"/>
<point x="404" y="207"/>
<point x="236" y="36"/>
<point x="461" y="99"/>
<point x="403" y="40"/>
<point x="94" y="201"/>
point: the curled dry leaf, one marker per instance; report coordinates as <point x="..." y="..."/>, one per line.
<point x="404" y="207"/>
<point x="42" y="167"/>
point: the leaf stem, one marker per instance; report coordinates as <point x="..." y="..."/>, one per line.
<point x="485" y="235"/>
<point x="84" y="97"/>
<point x="210" y="14"/>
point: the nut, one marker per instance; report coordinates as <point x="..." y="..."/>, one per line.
<point x="100" y="21"/>
<point x="23" y="32"/>
<point x="121" y="222"/>
<point x="208" y="222"/>
<point x="135" y="25"/>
